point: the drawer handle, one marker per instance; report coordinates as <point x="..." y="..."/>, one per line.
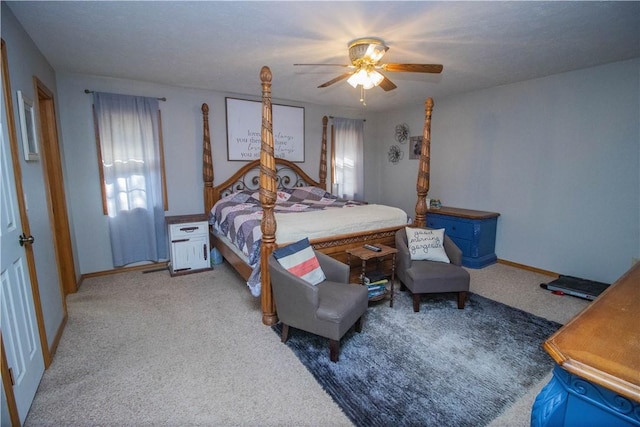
<point x="204" y="251"/>
<point x="188" y="229"/>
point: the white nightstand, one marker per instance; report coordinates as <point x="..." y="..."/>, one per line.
<point x="189" y="240"/>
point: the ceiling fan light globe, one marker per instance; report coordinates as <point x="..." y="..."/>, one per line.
<point x="375" y="52"/>
<point x="358" y="78"/>
<point x="366" y="79"/>
<point x="357" y="51"/>
<point x="368" y="85"/>
<point x="369" y="48"/>
<point x="375" y="77"/>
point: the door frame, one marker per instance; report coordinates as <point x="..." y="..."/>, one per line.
<point x="54" y="187"/>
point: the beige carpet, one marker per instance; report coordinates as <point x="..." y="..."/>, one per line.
<point x="152" y="350"/>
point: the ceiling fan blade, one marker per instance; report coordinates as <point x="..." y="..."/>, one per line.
<point x="331" y="65"/>
<point x="413" y="68"/>
<point x="387" y="85"/>
<point x="335" y="80"/>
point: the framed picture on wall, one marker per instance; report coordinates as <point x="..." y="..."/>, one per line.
<point x="28" y="128"/>
<point x="415" y="147"/>
<point x="244" y="126"/>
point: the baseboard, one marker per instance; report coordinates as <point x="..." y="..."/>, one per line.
<point x="56" y="341"/>
<point x="151" y="267"/>
<point x="528" y="268"/>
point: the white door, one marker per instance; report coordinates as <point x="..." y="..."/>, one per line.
<point x="18" y="321"/>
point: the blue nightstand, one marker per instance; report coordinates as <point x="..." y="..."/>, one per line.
<point x="473" y="231"/>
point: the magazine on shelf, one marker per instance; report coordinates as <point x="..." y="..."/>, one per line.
<point x="377" y="293"/>
<point x="376" y="287"/>
<point x="374" y="276"/>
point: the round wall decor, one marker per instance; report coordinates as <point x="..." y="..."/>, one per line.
<point x="395" y="154"/>
<point x="402" y="133"/>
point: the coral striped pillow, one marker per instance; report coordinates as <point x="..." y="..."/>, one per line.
<point x="299" y="259"/>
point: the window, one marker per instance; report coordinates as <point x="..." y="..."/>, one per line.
<point x="348" y="174"/>
<point x="131" y="165"/>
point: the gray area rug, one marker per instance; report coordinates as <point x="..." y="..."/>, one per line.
<point x="439" y="367"/>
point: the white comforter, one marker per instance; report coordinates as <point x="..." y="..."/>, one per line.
<point x="331" y="222"/>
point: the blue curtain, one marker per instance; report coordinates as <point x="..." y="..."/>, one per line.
<point x="129" y="141"/>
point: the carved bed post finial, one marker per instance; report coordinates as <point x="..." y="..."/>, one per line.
<point x="207" y="162"/>
<point x="323" y="154"/>
<point x="422" y="184"/>
<point x="268" y="188"/>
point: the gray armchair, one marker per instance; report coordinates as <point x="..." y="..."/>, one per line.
<point x="328" y="309"/>
<point x="424" y="277"/>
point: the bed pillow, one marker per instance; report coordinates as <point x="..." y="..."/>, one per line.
<point x="282" y="196"/>
<point x="299" y="259"/>
<point x="426" y="244"/>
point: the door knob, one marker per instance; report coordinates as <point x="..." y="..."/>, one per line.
<point x="23" y="239"/>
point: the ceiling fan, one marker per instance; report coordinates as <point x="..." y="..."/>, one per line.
<point x="365" y="55"/>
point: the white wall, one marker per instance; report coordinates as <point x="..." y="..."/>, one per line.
<point x="557" y="157"/>
<point x="25" y="62"/>
<point x="182" y="134"/>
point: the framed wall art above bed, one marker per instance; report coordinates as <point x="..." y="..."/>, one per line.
<point x="243" y="130"/>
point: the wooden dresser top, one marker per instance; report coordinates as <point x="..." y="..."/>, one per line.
<point x="602" y="343"/>
<point x="463" y="213"/>
<point x="180" y="219"/>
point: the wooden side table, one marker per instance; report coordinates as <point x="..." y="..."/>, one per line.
<point x="365" y="255"/>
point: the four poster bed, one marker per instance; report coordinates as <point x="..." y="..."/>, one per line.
<point x="272" y="182"/>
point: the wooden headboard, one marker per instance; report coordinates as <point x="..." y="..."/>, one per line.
<point x="287" y="174"/>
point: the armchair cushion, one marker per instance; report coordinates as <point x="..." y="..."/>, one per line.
<point x="300" y="260"/>
<point x="426" y="244"/>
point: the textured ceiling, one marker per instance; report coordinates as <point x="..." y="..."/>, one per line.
<point x="222" y="45"/>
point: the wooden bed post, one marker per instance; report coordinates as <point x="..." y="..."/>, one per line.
<point x="268" y="188"/>
<point x="323" y="154"/>
<point x="207" y="163"/>
<point x="422" y="184"/>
